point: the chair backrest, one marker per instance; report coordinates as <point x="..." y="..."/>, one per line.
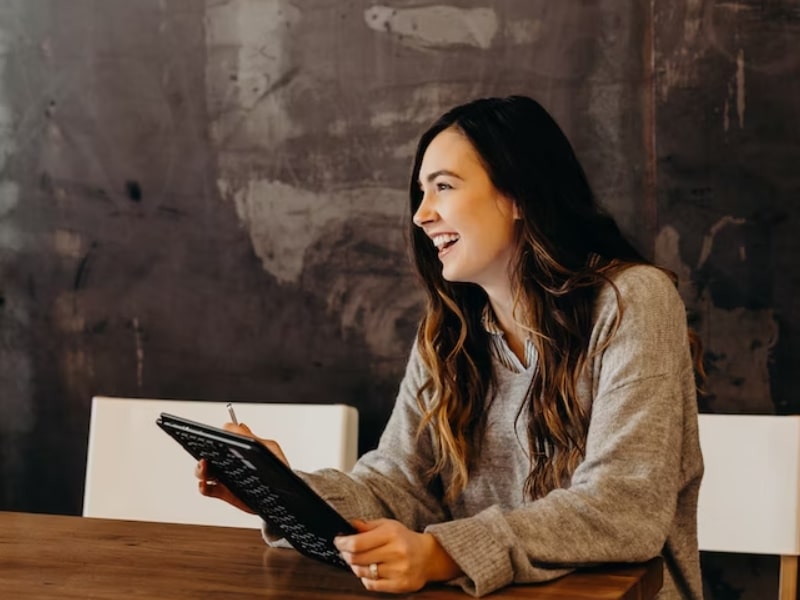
<point x="135" y="471"/>
<point x="749" y="497"/>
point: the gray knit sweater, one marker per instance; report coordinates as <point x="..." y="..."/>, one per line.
<point x="632" y="498"/>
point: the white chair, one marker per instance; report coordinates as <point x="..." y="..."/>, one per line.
<point x="135" y="471"/>
<point x="750" y="495"/>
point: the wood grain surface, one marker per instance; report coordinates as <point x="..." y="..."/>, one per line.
<point x="65" y="557"/>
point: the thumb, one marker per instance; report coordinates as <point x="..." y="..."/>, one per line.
<point x="362" y="526"/>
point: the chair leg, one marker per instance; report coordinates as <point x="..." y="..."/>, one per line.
<point x="787" y="589"/>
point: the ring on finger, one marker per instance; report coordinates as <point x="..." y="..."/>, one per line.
<point x="373" y="571"/>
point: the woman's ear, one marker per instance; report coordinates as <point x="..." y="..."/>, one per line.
<point x="517" y="212"/>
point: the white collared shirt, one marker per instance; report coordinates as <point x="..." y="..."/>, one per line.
<point x="500" y="348"/>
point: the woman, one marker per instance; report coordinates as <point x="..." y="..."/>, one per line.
<point x="547" y="418"/>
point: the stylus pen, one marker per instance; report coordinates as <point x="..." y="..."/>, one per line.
<point x="234" y="420"/>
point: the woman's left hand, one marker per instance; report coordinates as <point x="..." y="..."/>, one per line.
<point x="404" y="561"/>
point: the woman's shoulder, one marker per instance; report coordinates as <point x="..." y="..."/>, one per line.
<point x="641" y="277"/>
<point x="641" y="280"/>
<point x="416" y="369"/>
<point x="643" y="287"/>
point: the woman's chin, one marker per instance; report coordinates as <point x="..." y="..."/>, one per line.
<point x="452" y="276"/>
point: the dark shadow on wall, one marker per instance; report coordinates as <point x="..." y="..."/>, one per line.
<point x="739" y="576"/>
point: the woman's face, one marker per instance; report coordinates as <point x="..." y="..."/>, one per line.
<point x="468" y="220"/>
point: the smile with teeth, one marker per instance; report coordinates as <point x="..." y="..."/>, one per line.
<point x="444" y="241"/>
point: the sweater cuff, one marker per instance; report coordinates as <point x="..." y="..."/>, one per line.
<point x="485" y="563"/>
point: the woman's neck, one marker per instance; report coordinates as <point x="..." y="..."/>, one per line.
<point x="515" y="335"/>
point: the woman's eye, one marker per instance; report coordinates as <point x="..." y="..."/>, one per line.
<point x="441" y="185"/>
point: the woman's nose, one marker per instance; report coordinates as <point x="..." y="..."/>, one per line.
<point x="425" y="212"/>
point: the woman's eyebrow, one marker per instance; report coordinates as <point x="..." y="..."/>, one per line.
<point x="435" y="174"/>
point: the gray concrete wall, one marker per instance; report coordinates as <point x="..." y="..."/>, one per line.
<point x="206" y="200"/>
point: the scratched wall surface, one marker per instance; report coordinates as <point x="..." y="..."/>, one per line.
<point x="206" y="199"/>
<point x="727" y="98"/>
<point x="728" y="127"/>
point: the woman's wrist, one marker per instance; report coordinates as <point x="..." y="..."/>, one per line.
<point x="441" y="567"/>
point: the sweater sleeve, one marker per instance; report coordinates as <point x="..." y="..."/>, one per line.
<point x="621" y="501"/>
<point x="390" y="481"/>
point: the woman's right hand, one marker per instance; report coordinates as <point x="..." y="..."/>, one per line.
<point x="210" y="486"/>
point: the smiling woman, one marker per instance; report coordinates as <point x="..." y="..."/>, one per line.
<point x="547" y="419"/>
<point x="469" y="221"/>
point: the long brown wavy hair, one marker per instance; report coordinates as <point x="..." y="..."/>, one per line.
<point x="567" y="249"/>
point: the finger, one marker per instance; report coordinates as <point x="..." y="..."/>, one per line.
<point x="375" y="585"/>
<point x="359" y="563"/>
<point x="365" y="541"/>
<point x="201" y="472"/>
<point x="273" y="447"/>
<point x="363" y="526"/>
<point x="208" y="488"/>
<point x="364" y="558"/>
<point x="363" y="571"/>
<point x="214" y="489"/>
<point x="240" y="428"/>
<point x="389" y="585"/>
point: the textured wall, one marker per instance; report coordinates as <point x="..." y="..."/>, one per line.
<point x="727" y="98"/>
<point x="207" y="199"/>
<point x="728" y="142"/>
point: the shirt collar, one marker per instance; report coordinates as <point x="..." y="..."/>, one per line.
<point x="489" y="321"/>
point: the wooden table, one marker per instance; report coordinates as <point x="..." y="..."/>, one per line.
<point x="52" y="556"/>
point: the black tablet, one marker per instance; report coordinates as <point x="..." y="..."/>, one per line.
<point x="266" y="485"/>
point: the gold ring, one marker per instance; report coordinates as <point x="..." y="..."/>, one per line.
<point x="373" y="570"/>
